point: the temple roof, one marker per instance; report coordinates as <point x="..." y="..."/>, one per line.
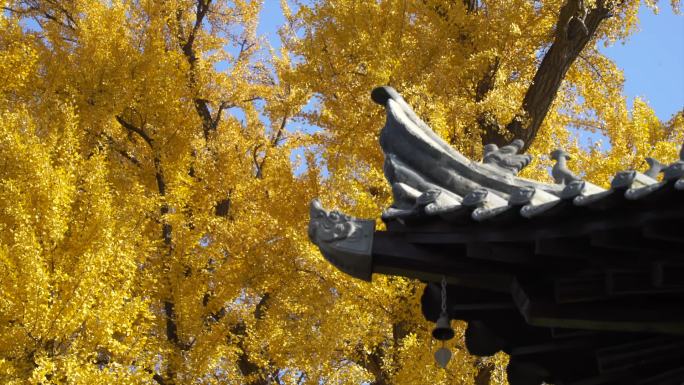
<point x="578" y="284"/>
<point x="441" y="197"/>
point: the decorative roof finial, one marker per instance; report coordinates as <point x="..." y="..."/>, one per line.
<point x="654" y="167"/>
<point x="507" y="157"/>
<point x="561" y="173"/>
<point x="381" y="95"/>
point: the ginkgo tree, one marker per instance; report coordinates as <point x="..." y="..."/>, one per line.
<point x="477" y="72"/>
<point x="141" y="222"/>
<point x="152" y="221"/>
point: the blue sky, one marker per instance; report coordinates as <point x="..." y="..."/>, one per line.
<point x="652" y="59"/>
<point x="271" y="19"/>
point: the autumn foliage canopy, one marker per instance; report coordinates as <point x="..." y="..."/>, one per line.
<point x="157" y="159"/>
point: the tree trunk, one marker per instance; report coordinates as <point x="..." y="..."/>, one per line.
<point x="572" y="35"/>
<point x="573" y="32"/>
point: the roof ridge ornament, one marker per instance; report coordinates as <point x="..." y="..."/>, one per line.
<point x="573" y="189"/>
<point x="654" y="167"/>
<point x="507" y="158"/>
<point x="679" y="185"/>
<point x="560" y="172"/>
<point x="670" y="172"/>
<point x="522" y="196"/>
<point x="623" y="180"/>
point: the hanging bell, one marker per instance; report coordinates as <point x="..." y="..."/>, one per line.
<point x="443" y="330"/>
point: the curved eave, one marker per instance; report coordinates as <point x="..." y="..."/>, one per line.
<point x="346" y="242"/>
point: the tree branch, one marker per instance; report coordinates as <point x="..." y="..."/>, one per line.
<point x="187" y="47"/>
<point x="258" y="165"/>
<point x="486" y="120"/>
<point x="486" y="84"/>
<point x="202" y="108"/>
<point x="132" y="128"/>
<point x="274" y="140"/>
<point x="37" y="10"/>
<point x="246" y="366"/>
<point x="169" y="306"/>
<point x="120" y="151"/>
<point x="226" y="105"/>
<point x="471" y="5"/>
<point x="279" y="133"/>
<point x="593" y="68"/>
<point x="245" y="45"/>
<point x="484" y="372"/>
<point x="159" y="379"/>
<point x="373" y="363"/>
